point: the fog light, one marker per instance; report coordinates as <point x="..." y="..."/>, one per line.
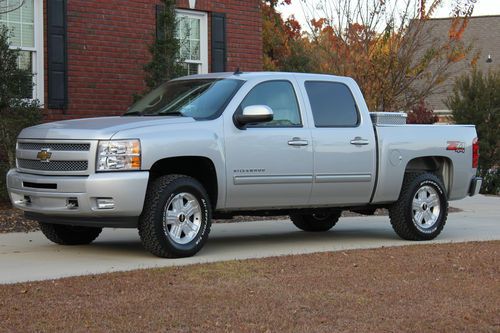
<point x="105" y="203"/>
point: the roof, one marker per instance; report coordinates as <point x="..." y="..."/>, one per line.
<point x="484" y="34"/>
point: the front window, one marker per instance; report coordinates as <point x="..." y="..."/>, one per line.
<point x="25" y="25"/>
<point x="201" y="99"/>
<point x="192" y="33"/>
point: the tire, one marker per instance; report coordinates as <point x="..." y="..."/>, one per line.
<point x="176" y="218"/>
<point x="316" y="222"/>
<point x="69" y="235"/>
<point x="422" y="208"/>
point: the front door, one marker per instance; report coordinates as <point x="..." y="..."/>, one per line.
<point x="269" y="165"/>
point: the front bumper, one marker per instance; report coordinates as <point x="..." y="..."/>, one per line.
<point x="75" y="197"/>
<point x="475" y="186"/>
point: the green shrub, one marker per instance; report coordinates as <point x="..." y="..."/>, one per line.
<point x="476" y="100"/>
<point x="16" y="112"/>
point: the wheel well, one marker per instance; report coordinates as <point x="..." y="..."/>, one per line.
<point x="440" y="166"/>
<point x="200" y="168"/>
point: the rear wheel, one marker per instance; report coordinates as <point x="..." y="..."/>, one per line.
<point x="422" y="208"/>
<point x="69" y="235"/>
<point x="316" y="222"/>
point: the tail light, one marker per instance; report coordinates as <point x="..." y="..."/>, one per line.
<point x="475" y="153"/>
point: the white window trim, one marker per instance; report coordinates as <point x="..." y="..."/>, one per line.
<point x="203" y="37"/>
<point x="38" y="62"/>
<point x="37" y="59"/>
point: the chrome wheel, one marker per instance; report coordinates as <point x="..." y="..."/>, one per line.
<point x="182" y="218"/>
<point x="426" y="207"/>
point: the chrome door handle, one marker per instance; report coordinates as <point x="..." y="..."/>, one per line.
<point x="297" y="142"/>
<point x="359" y="141"/>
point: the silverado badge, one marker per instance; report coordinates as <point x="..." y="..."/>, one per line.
<point x="44" y="155"/>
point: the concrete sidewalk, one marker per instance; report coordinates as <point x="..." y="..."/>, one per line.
<point x="26" y="257"/>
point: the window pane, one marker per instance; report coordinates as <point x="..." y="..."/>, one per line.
<point x="25" y="61"/>
<point x="191" y="68"/>
<point x="21" y="23"/>
<point x="195" y="29"/>
<point x="188" y="33"/>
<point x="332" y="104"/>
<point x="280" y="97"/>
<point x="195" y="50"/>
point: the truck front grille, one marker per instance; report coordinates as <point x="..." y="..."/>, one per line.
<point x="65" y="166"/>
<point x="56" y="157"/>
<point x="54" y="146"/>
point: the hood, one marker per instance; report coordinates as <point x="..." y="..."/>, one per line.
<point x="95" y="128"/>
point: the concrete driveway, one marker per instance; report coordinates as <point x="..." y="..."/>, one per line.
<point x="26" y="257"/>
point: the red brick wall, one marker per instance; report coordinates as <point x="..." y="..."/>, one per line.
<point x="108" y="46"/>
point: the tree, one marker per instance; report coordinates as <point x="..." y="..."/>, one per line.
<point x="285" y="47"/>
<point x="476" y="100"/>
<point x="385" y="45"/>
<point x="165" y="63"/>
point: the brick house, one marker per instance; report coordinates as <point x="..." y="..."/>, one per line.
<point x="88" y="56"/>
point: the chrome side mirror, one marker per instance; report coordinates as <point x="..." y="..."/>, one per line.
<point x="254" y="114"/>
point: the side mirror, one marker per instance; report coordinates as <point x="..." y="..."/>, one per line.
<point x="254" y="114"/>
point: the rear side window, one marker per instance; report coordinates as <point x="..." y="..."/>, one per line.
<point x="332" y="104"/>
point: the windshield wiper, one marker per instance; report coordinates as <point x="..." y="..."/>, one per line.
<point x="133" y="113"/>
<point x="174" y="113"/>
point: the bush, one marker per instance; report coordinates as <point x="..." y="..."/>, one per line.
<point x="422" y="113"/>
<point x="476" y="100"/>
<point x="16" y="112"/>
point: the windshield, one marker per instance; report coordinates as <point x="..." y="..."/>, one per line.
<point x="198" y="98"/>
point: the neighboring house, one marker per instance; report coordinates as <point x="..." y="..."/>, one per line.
<point x="88" y="56"/>
<point x="484" y="34"/>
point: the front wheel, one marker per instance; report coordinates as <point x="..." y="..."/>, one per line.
<point x="176" y="218"/>
<point x="316" y="222"/>
<point x="422" y="208"/>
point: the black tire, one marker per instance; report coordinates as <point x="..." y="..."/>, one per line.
<point x="68" y="234"/>
<point x="155" y="235"/>
<point x="402" y="212"/>
<point x="316" y="222"/>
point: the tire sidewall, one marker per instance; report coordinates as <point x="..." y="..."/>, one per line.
<point x="435" y="184"/>
<point x="176" y="187"/>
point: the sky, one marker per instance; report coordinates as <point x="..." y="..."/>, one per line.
<point x="482" y="7"/>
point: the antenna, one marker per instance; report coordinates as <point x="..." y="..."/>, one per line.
<point x="237" y="72"/>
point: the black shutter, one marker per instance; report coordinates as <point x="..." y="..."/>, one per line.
<point x="160" y="33"/>
<point x="218" y="42"/>
<point x="56" y="54"/>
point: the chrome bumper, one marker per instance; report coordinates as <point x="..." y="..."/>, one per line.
<point x="475" y="186"/>
<point x="77" y="196"/>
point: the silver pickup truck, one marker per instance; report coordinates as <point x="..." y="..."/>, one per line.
<point x="217" y="145"/>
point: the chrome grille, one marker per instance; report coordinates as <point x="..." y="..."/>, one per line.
<point x="53" y="165"/>
<point x="54" y="146"/>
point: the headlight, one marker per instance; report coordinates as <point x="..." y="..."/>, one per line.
<point x="118" y="155"/>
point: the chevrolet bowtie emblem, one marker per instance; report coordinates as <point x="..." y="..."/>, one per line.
<point x="44" y="155"/>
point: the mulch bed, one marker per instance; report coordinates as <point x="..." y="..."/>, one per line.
<point x="422" y="288"/>
<point x="12" y="220"/>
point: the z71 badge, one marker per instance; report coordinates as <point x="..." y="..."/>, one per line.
<point x="457" y="146"/>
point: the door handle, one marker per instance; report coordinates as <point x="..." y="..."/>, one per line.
<point x="297" y="142"/>
<point x="359" y="141"/>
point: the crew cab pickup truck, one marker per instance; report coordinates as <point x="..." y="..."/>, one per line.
<point x="216" y="145"/>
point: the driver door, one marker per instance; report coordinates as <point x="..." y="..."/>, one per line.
<point x="269" y="165"/>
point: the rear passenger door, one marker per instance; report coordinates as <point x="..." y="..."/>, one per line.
<point x="344" y="144"/>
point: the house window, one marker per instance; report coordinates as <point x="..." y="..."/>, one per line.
<point x="26" y="28"/>
<point x="192" y="33"/>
